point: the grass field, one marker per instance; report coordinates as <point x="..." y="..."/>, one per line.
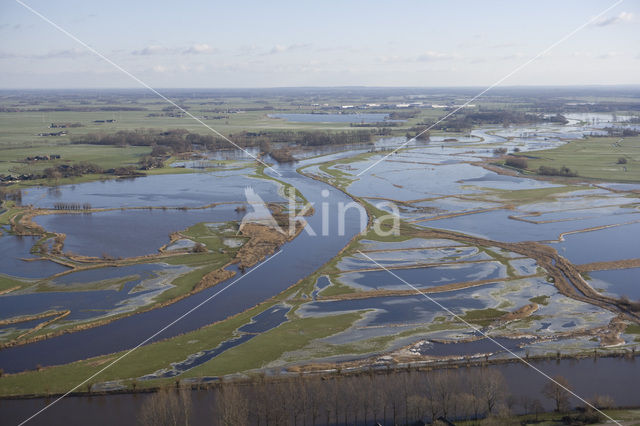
<point x="20" y="129"/>
<point x="12" y="160"/>
<point x="595" y="158"/>
<point x="257" y="352"/>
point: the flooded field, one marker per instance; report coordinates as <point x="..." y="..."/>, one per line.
<point x="173" y="190"/>
<point x="617" y="282"/>
<point x="13" y="252"/>
<point x="333" y="118"/>
<point x="128" y="233"/>
<point x="93" y="293"/>
<point x="489" y="275"/>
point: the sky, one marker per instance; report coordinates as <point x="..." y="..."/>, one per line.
<point x="238" y="44"/>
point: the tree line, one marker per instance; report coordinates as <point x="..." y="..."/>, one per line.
<point x="71" y="206"/>
<point x="181" y="140"/>
<point x="461" y="122"/>
<point x="409" y="398"/>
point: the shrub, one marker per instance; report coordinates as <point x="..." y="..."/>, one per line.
<point x="622" y="160"/>
<point x="552" y="171"/>
<point x="517" y="162"/>
<point x="500" y="151"/>
<point x="199" y="248"/>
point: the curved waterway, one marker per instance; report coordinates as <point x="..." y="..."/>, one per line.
<point x="297" y="259"/>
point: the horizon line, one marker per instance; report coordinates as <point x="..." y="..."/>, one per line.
<point x="516" y="86"/>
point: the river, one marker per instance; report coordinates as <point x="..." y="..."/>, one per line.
<point x="615" y="377"/>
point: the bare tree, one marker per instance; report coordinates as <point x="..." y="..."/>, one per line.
<point x="167" y="407"/>
<point x="555" y="390"/>
<point x="537" y="408"/>
<point x="232" y="406"/>
<point x="467" y="406"/>
<point x="602" y="402"/>
<point x="476" y="388"/>
<point x="494" y="388"/>
<point x="441" y="390"/>
<point x="314" y="390"/>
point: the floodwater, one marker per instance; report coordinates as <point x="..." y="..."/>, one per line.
<point x="133" y="286"/>
<point x="14" y="248"/>
<point x="334" y="118"/>
<point x="431" y="172"/>
<point x="172" y="190"/>
<point x="401" y="310"/>
<point x="128" y="233"/>
<point x="618" y="282"/>
<point x="292" y="263"/>
<point x="265" y="321"/>
<point x="423" y="277"/>
<point x="475" y="347"/>
<point x="497" y="225"/>
<point x="609" y="244"/>
<point x="411" y="257"/>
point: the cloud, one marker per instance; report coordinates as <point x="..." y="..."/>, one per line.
<point x="66" y="53"/>
<point x="610" y="54"/>
<point x="195" y="49"/>
<point x="198" y="49"/>
<point x="152" y="50"/>
<point x="581" y="54"/>
<point x="428" y="56"/>
<point x="8" y="55"/>
<point x="613" y="20"/>
<point x="516" y="55"/>
<point x="434" y="56"/>
<point x="392" y="59"/>
<point x="10" y="26"/>
<point x="503" y="45"/>
<point x="279" y="48"/>
<point x="160" y="68"/>
<point x="178" y="68"/>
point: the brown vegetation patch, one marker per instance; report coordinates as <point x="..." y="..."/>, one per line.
<point x="25" y="318"/>
<point x="605" y="266"/>
<point x="9" y="290"/>
<point x="99" y="362"/>
<point x="520" y="313"/>
<point x="263" y="241"/>
<point x="450" y="215"/>
<point x="410" y="291"/>
<point x="59" y="315"/>
<point x="213" y="278"/>
<point x="610" y="336"/>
